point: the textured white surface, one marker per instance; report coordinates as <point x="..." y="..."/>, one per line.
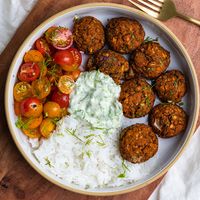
<point x="12" y="14"/>
<point x="183" y="179"/>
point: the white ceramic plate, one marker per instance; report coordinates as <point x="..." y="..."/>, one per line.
<point x="169" y="149"/>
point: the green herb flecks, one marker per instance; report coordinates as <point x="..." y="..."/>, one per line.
<point x="90" y="135"/>
<point x="125" y="168"/>
<point x="88" y="141"/>
<point x="88" y="153"/>
<point x="148" y="102"/>
<point x="181" y="103"/>
<point x="150" y="39"/>
<point x="48" y="162"/>
<point x="22" y="124"/>
<point x="101" y="142"/>
<point x="72" y="132"/>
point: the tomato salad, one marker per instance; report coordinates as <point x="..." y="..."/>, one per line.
<point x="45" y="79"/>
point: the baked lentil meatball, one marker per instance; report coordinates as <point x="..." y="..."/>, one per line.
<point x="89" y="35"/>
<point x="171" y="86"/>
<point x="137" y="98"/>
<point x="168" y="120"/>
<point x="124" y="34"/>
<point x="110" y="63"/>
<point x="138" y="143"/>
<point x="150" y="60"/>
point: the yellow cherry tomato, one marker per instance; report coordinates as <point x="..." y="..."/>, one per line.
<point x="66" y="84"/>
<point x="21" y="91"/>
<point x="46" y="127"/>
<point x="32" y="133"/>
<point x="33" y="56"/>
<point x="41" y="88"/>
<point x="32" y="123"/>
<point x="52" y="109"/>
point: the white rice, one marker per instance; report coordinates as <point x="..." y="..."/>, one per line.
<point x="92" y="161"/>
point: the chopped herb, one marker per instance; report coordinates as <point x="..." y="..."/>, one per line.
<point x="132" y="36"/>
<point x="176" y="83"/>
<point x="87" y="136"/>
<point x="147" y="100"/>
<point x="88" y="153"/>
<point x="181" y="103"/>
<point x="171" y="92"/>
<point x="60" y="134"/>
<point x="124" y="167"/>
<point x="22" y="124"/>
<point x="102" y="143"/>
<point x="73" y="133"/>
<point x="48" y="162"/>
<point x="88" y="141"/>
<point x="54" y="120"/>
<point x="150" y="39"/>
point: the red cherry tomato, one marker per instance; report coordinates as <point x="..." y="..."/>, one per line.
<point x="31" y="107"/>
<point x="69" y="59"/>
<point x="28" y="72"/>
<point x="42" y="46"/>
<point x="60" y="98"/>
<point x="60" y="37"/>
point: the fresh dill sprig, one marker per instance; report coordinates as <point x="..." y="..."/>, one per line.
<point x="88" y="153"/>
<point x="125" y="168"/>
<point x="72" y="132"/>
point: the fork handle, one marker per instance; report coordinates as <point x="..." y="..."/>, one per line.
<point x="190" y="19"/>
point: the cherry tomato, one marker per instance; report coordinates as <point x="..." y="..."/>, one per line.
<point x="21" y="91"/>
<point x="31" y="107"/>
<point x="60" y="37"/>
<point x="74" y="74"/>
<point x="33" y="123"/>
<point x="66" y="84"/>
<point x="46" y="127"/>
<point x="32" y="133"/>
<point x="17" y="108"/>
<point x="52" y="109"/>
<point x="28" y="72"/>
<point x="69" y="59"/>
<point x="48" y="33"/>
<point x="33" y="56"/>
<point x="42" y="46"/>
<point x="60" y="98"/>
<point x="41" y="88"/>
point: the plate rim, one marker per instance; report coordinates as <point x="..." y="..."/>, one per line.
<point x="196" y="92"/>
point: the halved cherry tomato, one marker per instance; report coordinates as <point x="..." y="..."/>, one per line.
<point x="32" y="123"/>
<point x="69" y="59"/>
<point x="52" y="109"/>
<point x="21" y="91"/>
<point x="33" y="56"/>
<point x="66" y="84"/>
<point x="48" y="33"/>
<point x="46" y="127"/>
<point x="74" y="74"/>
<point x="17" y="108"/>
<point x="28" y="72"/>
<point x="60" y="37"/>
<point x="41" y="88"/>
<point x="60" y="98"/>
<point x="31" y="107"/>
<point x="42" y="46"/>
<point x="32" y="133"/>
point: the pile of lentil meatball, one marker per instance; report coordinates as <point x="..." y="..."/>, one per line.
<point x="148" y="61"/>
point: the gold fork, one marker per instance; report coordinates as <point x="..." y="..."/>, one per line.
<point x="162" y="10"/>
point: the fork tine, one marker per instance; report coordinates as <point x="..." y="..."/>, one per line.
<point x="157" y="3"/>
<point x="149" y="5"/>
<point x="146" y="10"/>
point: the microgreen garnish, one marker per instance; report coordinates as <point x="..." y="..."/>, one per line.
<point x="150" y="39"/>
